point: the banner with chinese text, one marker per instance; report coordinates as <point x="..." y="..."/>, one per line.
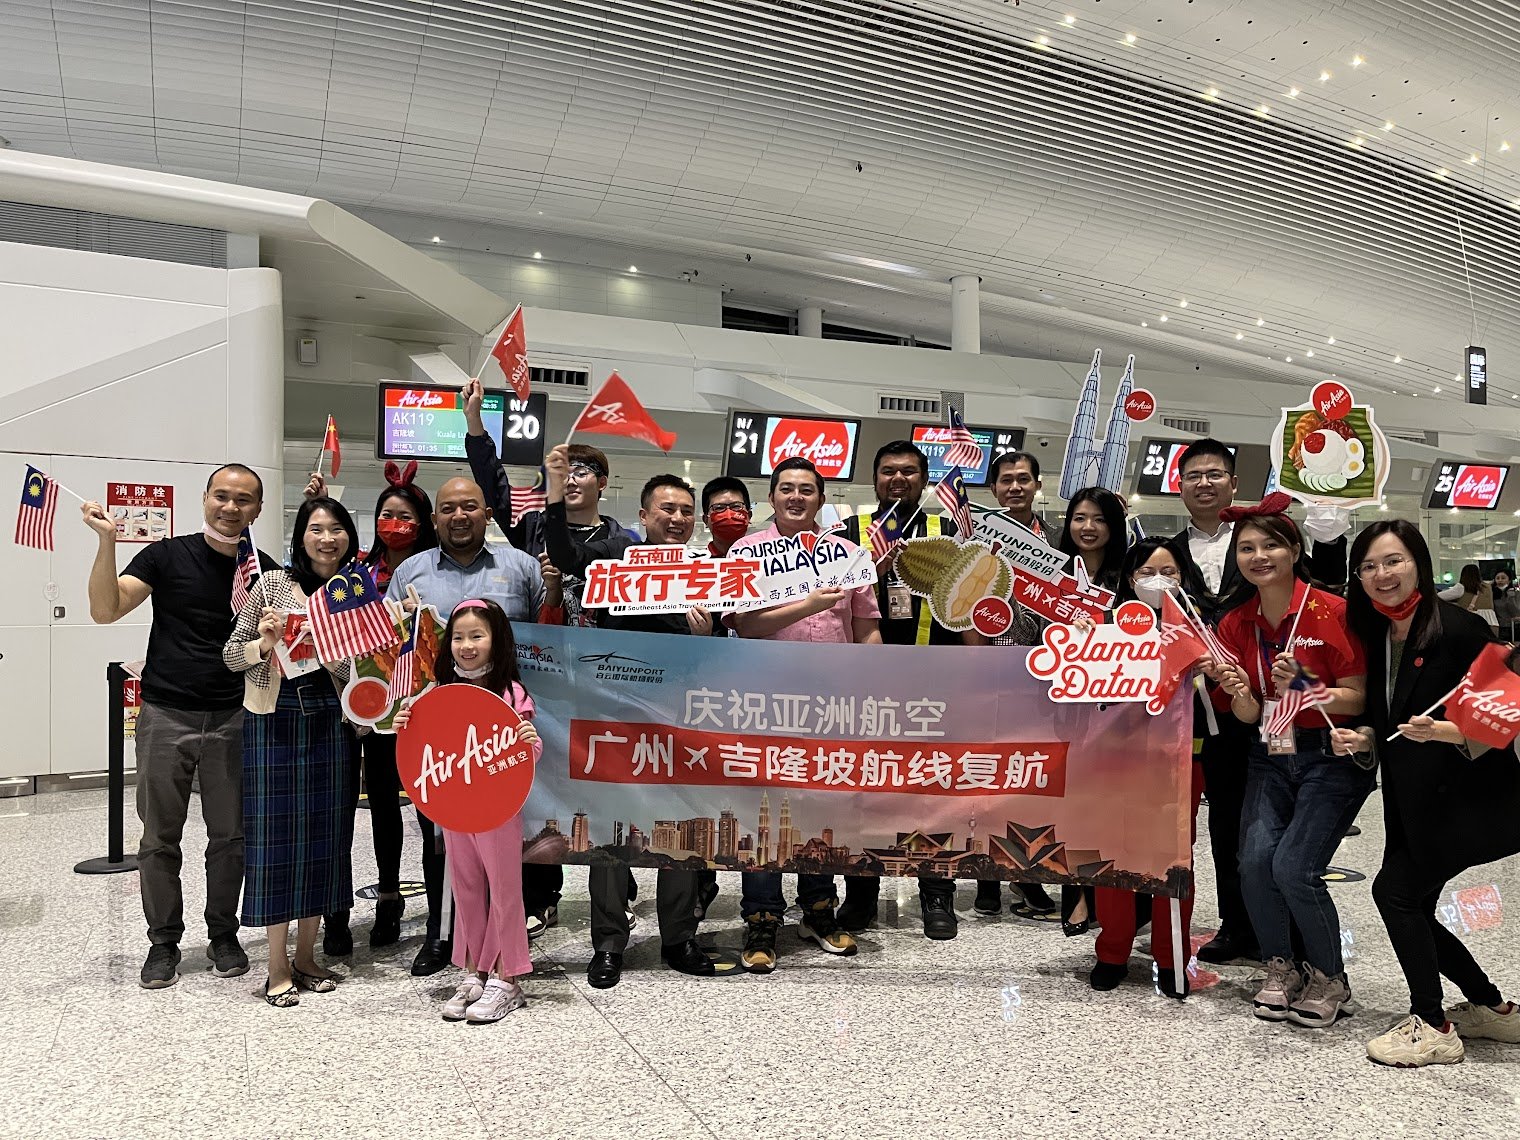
<point x="669" y="751"/>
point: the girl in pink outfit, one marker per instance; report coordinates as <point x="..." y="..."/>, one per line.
<point x="490" y="927"/>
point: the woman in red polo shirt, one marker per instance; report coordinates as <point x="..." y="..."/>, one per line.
<point x="1288" y="638"/>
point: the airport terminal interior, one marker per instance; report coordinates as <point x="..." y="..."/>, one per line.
<point x="968" y="300"/>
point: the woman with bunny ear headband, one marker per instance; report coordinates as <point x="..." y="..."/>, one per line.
<point x="403" y="522"/>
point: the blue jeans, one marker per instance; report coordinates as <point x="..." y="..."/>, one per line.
<point x="762" y="892"/>
<point x="1297" y="810"/>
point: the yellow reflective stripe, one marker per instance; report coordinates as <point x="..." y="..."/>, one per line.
<point x="925" y="618"/>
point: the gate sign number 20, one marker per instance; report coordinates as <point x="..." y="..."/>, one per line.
<point x="522" y="430"/>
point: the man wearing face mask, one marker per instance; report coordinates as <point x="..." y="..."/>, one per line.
<point x="191" y="723"/>
<point x="901" y="473"/>
<point x="726" y="512"/>
<point x="668" y="513"/>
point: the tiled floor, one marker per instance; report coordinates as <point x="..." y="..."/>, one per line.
<point x="996" y="1033"/>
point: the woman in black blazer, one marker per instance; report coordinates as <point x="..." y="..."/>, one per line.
<point x="1449" y="803"/>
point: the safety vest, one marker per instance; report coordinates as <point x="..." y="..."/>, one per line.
<point x="932" y="530"/>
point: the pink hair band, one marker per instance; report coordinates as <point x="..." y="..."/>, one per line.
<point x="470" y="604"/>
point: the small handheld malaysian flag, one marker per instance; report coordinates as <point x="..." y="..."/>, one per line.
<point x="531" y="498"/>
<point x="1305" y="691"/>
<point x="403" y="673"/>
<point x="348" y="617"/>
<point x="951" y="492"/>
<point x="963" y="451"/>
<point x="39" y="505"/>
<point x="246" y="573"/>
<point x="882" y="535"/>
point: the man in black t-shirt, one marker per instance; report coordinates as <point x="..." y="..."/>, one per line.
<point x="191" y="720"/>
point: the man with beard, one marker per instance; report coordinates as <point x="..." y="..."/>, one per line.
<point x="462" y="567"/>
<point x="668" y="513"/>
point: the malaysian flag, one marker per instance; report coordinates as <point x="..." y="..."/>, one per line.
<point x="403" y="673"/>
<point x="951" y="492"/>
<point x="39" y="503"/>
<point x="247" y="570"/>
<point x="882" y="535"/>
<point x="963" y="451"/>
<point x="1305" y="691"/>
<point x="348" y="618"/>
<point x="530" y="498"/>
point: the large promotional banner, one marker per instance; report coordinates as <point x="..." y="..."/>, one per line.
<point x="667" y="751"/>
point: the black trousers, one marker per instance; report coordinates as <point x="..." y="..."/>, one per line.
<point x="1224" y="781"/>
<point x="1406" y="895"/>
<point x="382" y="784"/>
<point x="542" y="884"/>
<point x="432" y="875"/>
<point x="678" y="902"/>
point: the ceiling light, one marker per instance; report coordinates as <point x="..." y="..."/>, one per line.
<point x="1330" y="340"/>
<point x="1131" y="38"/>
<point x="1356" y="140"/>
<point x="1472" y="158"/>
<point x="1069" y="20"/>
<point x="1289" y="359"/>
<point x="1309" y="353"/>
<point x="1398" y="360"/>
<point x="436" y="239"/>
<point x="1263" y="110"/>
<point x="1357" y="61"/>
<point x="1388" y="124"/>
<point x="1438" y="389"/>
<point x="1442" y="172"/>
<point x="1042" y="41"/>
<point x="1260" y="322"/>
<point x="1182" y="304"/>
<point x="1211" y="93"/>
<point x="633" y="269"/>
<point x="537" y="255"/>
<point x="1324" y="75"/>
<point x="1503" y="147"/>
<point x="1163" y="316"/>
<point x="1383" y="506"/>
<point x="1145" y="324"/>
<point x="1292" y="92"/>
<point x="1240" y="336"/>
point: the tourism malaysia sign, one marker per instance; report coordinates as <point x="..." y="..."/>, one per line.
<point x="668" y="751"/>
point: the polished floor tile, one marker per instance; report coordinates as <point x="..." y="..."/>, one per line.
<point x="994" y="1032"/>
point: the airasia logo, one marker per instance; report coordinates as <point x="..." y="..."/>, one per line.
<point x="1476" y="487"/>
<point x="826" y="444"/>
<point x="1492" y="703"/>
<point x="1135" y="618"/>
<point x="411" y="399"/>
<point x="1331" y="399"/>
<point x="992" y="616"/>
<point x="1140" y="405"/>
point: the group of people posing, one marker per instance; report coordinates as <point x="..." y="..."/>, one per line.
<point x="279" y="767"/>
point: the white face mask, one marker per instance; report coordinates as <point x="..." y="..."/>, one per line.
<point x="1152" y="588"/>
<point x="472" y="674"/>
<point x="218" y="537"/>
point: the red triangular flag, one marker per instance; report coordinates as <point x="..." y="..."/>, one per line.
<point x="330" y="443"/>
<point x="615" y="410"/>
<point x="1181" y="647"/>
<point x="1486" y="704"/>
<point x="511" y="353"/>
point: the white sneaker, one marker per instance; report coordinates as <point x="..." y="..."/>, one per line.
<point x="1320" y="1002"/>
<point x="1413" y="1042"/>
<point x="500" y="998"/>
<point x="1479" y="1021"/>
<point x="469" y="991"/>
<point x="538" y="923"/>
<point x="633" y="919"/>
<point x="1278" y="993"/>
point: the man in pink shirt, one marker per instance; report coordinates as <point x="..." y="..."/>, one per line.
<point x="826" y="615"/>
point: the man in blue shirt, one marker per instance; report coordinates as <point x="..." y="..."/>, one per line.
<point x="462" y="567"/>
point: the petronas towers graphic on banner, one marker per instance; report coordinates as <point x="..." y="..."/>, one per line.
<point x="1090" y="463"/>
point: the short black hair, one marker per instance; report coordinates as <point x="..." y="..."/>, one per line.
<point x="665" y="480"/>
<point x="900" y="447"/>
<point x="714" y="487"/>
<point x="1203" y="449"/>
<point x="241" y="469"/>
<point x="300" y="562"/>
<point x="795" y="463"/>
<point x="1012" y="457"/>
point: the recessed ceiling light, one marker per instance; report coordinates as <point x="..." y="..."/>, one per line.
<point x="1442" y="172"/>
<point x="1145" y="324"/>
<point x="633" y="269"/>
<point x="1263" y="110"/>
<point x="1260" y="322"/>
<point x="1398" y="360"/>
<point x="1356" y="140"/>
<point x="1163" y="316"/>
<point x="1324" y="75"/>
<point x="1131" y="38"/>
<point x="1357" y="61"/>
<point x="1330" y="340"/>
<point x="1292" y="92"/>
<point x="1438" y="389"/>
<point x="1472" y="158"/>
<point x="1289" y="359"/>
<point x="1042" y="41"/>
<point x="1240" y="336"/>
<point x="537" y="255"/>
<point x="1503" y="146"/>
<point x="1388" y="124"/>
<point x="1309" y="353"/>
<point x="1211" y="93"/>
<point x="436" y="239"/>
<point x="1182" y="304"/>
<point x="1069" y="20"/>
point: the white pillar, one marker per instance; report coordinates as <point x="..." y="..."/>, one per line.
<point x="810" y="321"/>
<point x="965" y="313"/>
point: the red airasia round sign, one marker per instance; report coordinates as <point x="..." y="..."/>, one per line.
<point x="991" y="616"/>
<point x="1136" y="618"/>
<point x="1140" y="405"/>
<point x="461" y="759"/>
<point x="826" y="443"/>
<point x="1331" y="399"/>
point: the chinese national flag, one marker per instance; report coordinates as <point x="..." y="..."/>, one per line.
<point x="1318" y="621"/>
<point x="1181" y="647"/>
<point x="1486" y="704"/>
<point x="615" y="410"/>
<point x="511" y="353"/>
<point x="330" y="443"/>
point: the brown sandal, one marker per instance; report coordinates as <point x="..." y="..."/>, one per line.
<point x="316" y="983"/>
<point x="284" y="999"/>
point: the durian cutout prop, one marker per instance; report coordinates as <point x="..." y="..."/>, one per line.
<point x="953" y="576"/>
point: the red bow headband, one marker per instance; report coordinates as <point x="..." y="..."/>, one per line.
<point x="1274" y="504"/>
<point x="400" y="476"/>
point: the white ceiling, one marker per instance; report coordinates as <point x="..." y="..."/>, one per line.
<point x="1093" y="183"/>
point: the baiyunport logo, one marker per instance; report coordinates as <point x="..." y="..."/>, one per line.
<point x="617" y="667"/>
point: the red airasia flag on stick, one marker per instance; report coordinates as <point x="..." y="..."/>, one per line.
<point x="511" y="353"/>
<point x="615" y="410"/>
<point x="1486" y="703"/>
<point x="1181" y="646"/>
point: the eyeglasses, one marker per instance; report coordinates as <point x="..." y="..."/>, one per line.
<point x="1213" y="475"/>
<point x="1393" y="564"/>
<point x="581" y="471"/>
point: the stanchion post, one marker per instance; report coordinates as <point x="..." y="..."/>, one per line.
<point x="115" y="860"/>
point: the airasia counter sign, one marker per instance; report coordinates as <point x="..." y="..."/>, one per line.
<point x="1467" y="485"/>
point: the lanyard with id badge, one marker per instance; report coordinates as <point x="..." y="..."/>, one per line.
<point x="1279" y="744"/>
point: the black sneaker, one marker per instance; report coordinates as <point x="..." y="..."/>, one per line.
<point x="1030" y="900"/>
<point x="227" y="957"/>
<point x="819" y="925"/>
<point x="1107" y="975"/>
<point x="386" y="930"/>
<point x="989" y="898"/>
<point x="161" y="970"/>
<point x="940" y="923"/>
<point x="759" y="954"/>
<point x="856" y="914"/>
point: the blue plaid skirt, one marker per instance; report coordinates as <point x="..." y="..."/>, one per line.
<point x="298" y="814"/>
